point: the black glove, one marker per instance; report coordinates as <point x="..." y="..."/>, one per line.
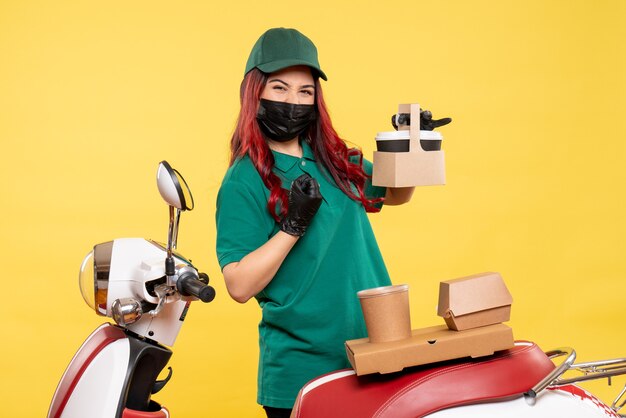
<point x="304" y="201"/>
<point x="427" y="123"/>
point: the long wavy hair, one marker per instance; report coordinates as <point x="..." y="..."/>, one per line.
<point x="329" y="149"/>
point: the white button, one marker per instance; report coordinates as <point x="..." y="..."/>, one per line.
<point x="303" y="162"/>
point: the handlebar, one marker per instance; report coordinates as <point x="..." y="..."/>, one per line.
<point x="189" y="285"/>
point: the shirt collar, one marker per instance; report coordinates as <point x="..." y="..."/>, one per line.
<point x="285" y="162"/>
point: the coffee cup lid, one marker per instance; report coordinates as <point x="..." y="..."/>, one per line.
<point x="396" y="135"/>
<point x="382" y="291"/>
<point x="392" y="135"/>
<point x="430" y="136"/>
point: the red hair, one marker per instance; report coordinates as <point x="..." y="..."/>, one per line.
<point x="329" y="149"/>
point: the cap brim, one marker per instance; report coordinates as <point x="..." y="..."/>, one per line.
<point x="279" y="65"/>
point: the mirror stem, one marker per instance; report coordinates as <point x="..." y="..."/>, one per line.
<point x="170" y="233"/>
<point x="170" y="269"/>
<point x="176" y="226"/>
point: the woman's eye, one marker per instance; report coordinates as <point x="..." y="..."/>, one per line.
<point x="307" y="92"/>
<point x="281" y="88"/>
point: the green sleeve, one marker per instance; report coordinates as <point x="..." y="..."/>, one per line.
<point x="370" y="190"/>
<point x="242" y="221"/>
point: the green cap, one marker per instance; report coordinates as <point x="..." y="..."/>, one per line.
<point x="280" y="48"/>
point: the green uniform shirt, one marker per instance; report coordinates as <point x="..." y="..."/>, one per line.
<point x="310" y="307"/>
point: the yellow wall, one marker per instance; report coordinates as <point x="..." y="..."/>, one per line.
<point x="94" y="94"/>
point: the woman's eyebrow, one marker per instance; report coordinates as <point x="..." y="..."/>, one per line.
<point x="280" y="81"/>
<point x="287" y="84"/>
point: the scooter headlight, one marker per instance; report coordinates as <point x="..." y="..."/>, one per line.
<point x="94" y="277"/>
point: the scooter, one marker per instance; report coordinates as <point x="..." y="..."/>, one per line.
<point x="146" y="287"/>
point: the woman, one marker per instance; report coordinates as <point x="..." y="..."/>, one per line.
<point x="292" y="229"/>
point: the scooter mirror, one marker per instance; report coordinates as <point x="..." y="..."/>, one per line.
<point x="173" y="188"/>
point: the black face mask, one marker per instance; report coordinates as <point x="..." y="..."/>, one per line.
<point x="282" y="121"/>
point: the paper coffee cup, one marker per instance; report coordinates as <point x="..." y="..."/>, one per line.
<point x="430" y="140"/>
<point x="398" y="141"/>
<point x="393" y="141"/>
<point x="386" y="312"/>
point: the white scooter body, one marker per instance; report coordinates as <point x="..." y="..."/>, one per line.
<point x="98" y="388"/>
<point x="109" y="368"/>
<point x="107" y="375"/>
<point x="138" y="262"/>
<point x="567" y="401"/>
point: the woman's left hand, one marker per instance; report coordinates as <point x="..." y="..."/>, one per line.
<point x="398" y="195"/>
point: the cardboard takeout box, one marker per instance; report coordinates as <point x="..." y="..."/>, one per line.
<point x="474" y="301"/>
<point x="427" y="345"/>
<point x="414" y="168"/>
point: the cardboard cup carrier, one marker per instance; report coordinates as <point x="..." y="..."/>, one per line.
<point x="386" y="312"/>
<point x="422" y="164"/>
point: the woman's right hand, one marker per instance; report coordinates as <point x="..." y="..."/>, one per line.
<point x="304" y="201"/>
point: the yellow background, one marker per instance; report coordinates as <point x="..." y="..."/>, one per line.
<point x="94" y="94"/>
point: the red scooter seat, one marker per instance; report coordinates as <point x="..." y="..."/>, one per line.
<point x="422" y="390"/>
